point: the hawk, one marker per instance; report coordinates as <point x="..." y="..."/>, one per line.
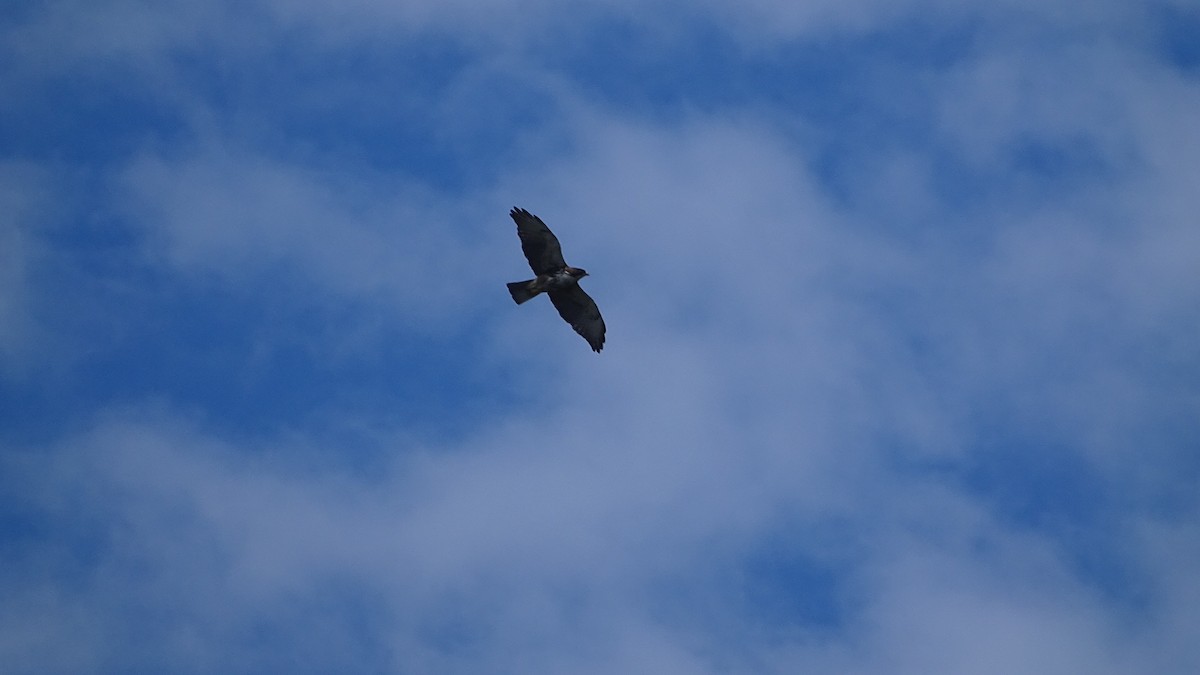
<point x="555" y="278"/>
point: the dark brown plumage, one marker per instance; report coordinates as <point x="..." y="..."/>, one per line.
<point x="557" y="279"/>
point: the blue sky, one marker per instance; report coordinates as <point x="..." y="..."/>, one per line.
<point x="901" y="373"/>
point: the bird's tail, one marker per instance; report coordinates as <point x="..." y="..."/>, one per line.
<point x="523" y="290"/>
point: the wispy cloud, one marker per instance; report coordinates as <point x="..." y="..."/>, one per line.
<point x="899" y="374"/>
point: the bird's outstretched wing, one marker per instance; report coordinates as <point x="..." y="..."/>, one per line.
<point x="538" y="242"/>
<point x="578" y="309"/>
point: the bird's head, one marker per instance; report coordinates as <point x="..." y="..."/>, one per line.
<point x="578" y="272"/>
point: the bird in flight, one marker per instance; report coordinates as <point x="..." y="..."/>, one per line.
<point x="555" y="278"/>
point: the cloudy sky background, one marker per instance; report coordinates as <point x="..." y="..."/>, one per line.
<point x="901" y="377"/>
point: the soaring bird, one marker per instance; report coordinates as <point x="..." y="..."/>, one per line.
<point x="555" y="278"/>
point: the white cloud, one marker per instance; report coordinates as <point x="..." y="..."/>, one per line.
<point x="782" y="366"/>
<point x="236" y="216"/>
<point x="512" y="553"/>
